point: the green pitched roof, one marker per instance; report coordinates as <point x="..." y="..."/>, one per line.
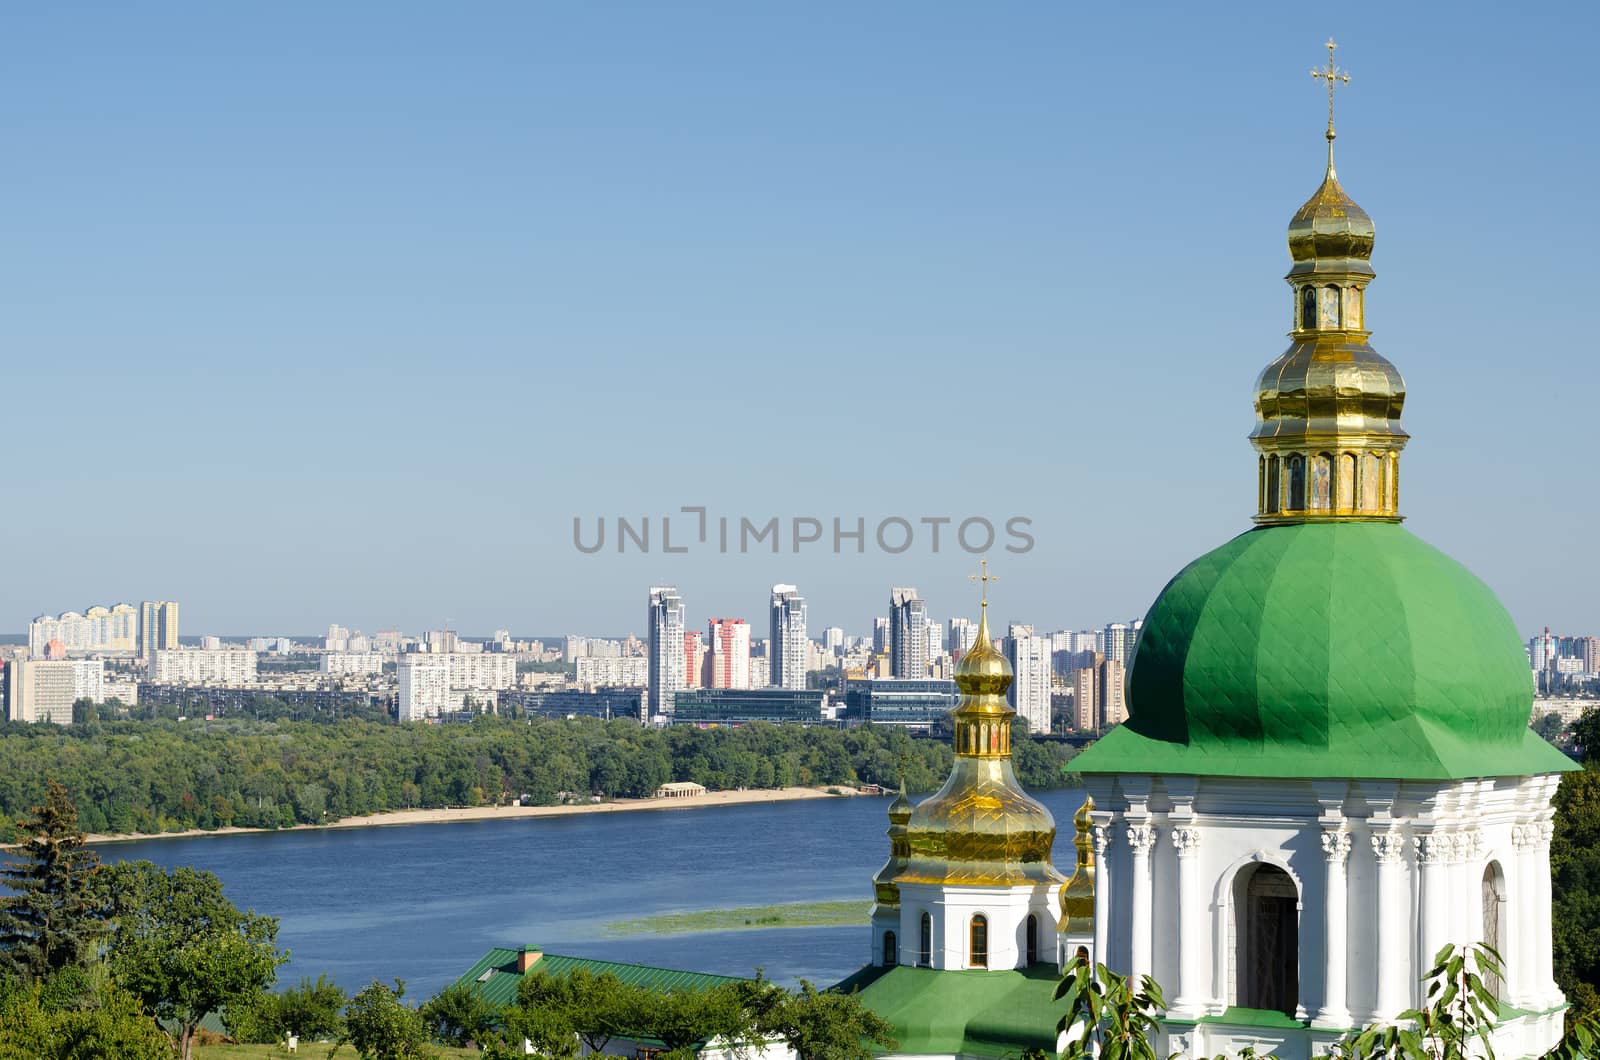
<point x="1327" y="650"/>
<point x="495" y="976"/>
<point x="970" y="1013"/>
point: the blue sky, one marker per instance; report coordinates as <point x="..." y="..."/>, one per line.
<point x="316" y="313"/>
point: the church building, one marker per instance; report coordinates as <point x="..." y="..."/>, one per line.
<point x="1327" y="772"/>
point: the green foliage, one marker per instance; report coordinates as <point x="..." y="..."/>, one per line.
<point x="596" y="1008"/>
<point x="382" y="1027"/>
<point x="182" y="948"/>
<point x="458" y="1014"/>
<point x="1575" y="887"/>
<point x="1586" y="735"/>
<point x="1106" y="1017"/>
<point x="819" y="1024"/>
<point x="1550" y="727"/>
<point x="159" y="776"/>
<point x="1454" y="1024"/>
<point x="105" y="1022"/>
<point x="309" y="1011"/>
<point x="55" y="916"/>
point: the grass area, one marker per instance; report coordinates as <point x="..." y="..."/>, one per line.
<point x="312" y="1050"/>
<point x="797" y="914"/>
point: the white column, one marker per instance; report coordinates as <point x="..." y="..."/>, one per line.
<point x="1102" y="895"/>
<point x="1435" y="851"/>
<point x="1335" y="1011"/>
<point x="1193" y="926"/>
<point x="1395" y="934"/>
<point x="1544" y="955"/>
<point x="1141" y="837"/>
<point x="1523" y="984"/>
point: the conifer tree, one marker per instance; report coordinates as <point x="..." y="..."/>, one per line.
<point x="55" y="914"/>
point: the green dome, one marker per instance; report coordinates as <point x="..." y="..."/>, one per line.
<point x="1327" y="650"/>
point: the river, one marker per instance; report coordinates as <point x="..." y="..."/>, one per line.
<point x="423" y="902"/>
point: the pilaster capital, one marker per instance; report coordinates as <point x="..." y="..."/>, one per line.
<point x="1435" y="848"/>
<point x="1141" y="837"/>
<point x="1102" y="839"/>
<point x="1187" y="841"/>
<point x="1336" y="845"/>
<point x="1387" y="846"/>
<point x="1524" y="836"/>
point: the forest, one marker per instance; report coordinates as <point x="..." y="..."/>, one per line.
<point x="159" y="776"/>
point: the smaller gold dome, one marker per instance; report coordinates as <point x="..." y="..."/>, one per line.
<point x="983" y="671"/>
<point x="1330" y="227"/>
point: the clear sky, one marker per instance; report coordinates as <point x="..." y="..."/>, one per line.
<point x="343" y="312"/>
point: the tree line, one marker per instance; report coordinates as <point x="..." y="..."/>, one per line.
<point x="158" y="776"/>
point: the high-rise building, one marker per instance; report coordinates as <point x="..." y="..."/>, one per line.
<point x="908" y="634"/>
<point x="880" y="636"/>
<point x="833" y="640"/>
<point x="1113" y="703"/>
<point x="45" y="690"/>
<point x="963" y="634"/>
<point x="727" y="653"/>
<point x="99" y="629"/>
<point x="788" y="648"/>
<point x="1029" y="694"/>
<point x="424" y="679"/>
<point x="694" y="658"/>
<point x="665" y="623"/>
<point x="158" y="627"/>
<point x="1086" y="698"/>
<point x="621" y="671"/>
<point x="1116" y="642"/>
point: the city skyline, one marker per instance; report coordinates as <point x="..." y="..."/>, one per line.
<point x="315" y="293"/>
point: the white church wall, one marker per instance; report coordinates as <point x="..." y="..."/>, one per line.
<point x="1406" y="861"/>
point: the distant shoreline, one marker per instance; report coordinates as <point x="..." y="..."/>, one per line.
<point x="499" y="813"/>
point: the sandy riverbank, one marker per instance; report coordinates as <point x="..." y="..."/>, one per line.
<point x="499" y="813"/>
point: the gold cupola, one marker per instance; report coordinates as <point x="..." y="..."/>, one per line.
<point x="1328" y="434"/>
<point x="883" y="887"/>
<point x="981" y="828"/>
<point x="1077" y="894"/>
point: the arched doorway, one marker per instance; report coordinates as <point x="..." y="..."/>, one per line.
<point x="1267" y="940"/>
<point x="1494" y="922"/>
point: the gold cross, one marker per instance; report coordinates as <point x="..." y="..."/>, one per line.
<point x="984" y="577"/>
<point x="1334" y="76"/>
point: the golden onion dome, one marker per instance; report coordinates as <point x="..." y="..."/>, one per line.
<point x="1327" y="433"/>
<point x="883" y="886"/>
<point x="981" y="828"/>
<point x="1331" y="228"/>
<point x="1077" y="894"/>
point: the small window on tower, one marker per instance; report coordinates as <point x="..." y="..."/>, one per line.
<point x="1033" y="939"/>
<point x="925" y="944"/>
<point x="890" y="953"/>
<point x="1308" y="307"/>
<point x="978" y="939"/>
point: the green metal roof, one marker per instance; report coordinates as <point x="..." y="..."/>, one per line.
<point x="970" y="1013"/>
<point x="495" y="976"/>
<point x="1327" y="650"/>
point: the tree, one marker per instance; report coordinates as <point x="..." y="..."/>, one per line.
<point x="311" y="1010"/>
<point x="823" y="1025"/>
<point x="1550" y="727"/>
<point x="596" y="1008"/>
<point x="56" y="916"/>
<point x="458" y="1014"/>
<point x="1586" y="735"/>
<point x="382" y="1027"/>
<point x="182" y="948"/>
<point x="105" y="1023"/>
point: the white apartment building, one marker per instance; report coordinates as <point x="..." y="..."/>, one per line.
<point x="1029" y="694"/>
<point x="104" y="629"/>
<point x="44" y="690"/>
<point x="351" y="662"/>
<point x="432" y="683"/>
<point x="666" y="653"/>
<point x="229" y="667"/>
<point x="616" y="671"/>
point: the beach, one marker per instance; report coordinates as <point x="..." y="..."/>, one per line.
<point x="500" y="813"/>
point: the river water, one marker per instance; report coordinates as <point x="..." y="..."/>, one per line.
<point x="423" y="902"/>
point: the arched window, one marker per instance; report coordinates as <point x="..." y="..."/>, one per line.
<point x="1329" y="317"/>
<point x="1494" y="922"/>
<point x="1296" y="466"/>
<point x="978" y="941"/>
<point x="1267" y="940"/>
<point x="891" y="954"/>
<point x="1308" y="307"/>
<point x="1274" y="487"/>
<point x="1033" y="939"/>
<point x="1391" y="483"/>
<point x="1322" y="482"/>
<point x="1371" y="479"/>
<point x="925" y="944"/>
<point x="1344" y="482"/>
